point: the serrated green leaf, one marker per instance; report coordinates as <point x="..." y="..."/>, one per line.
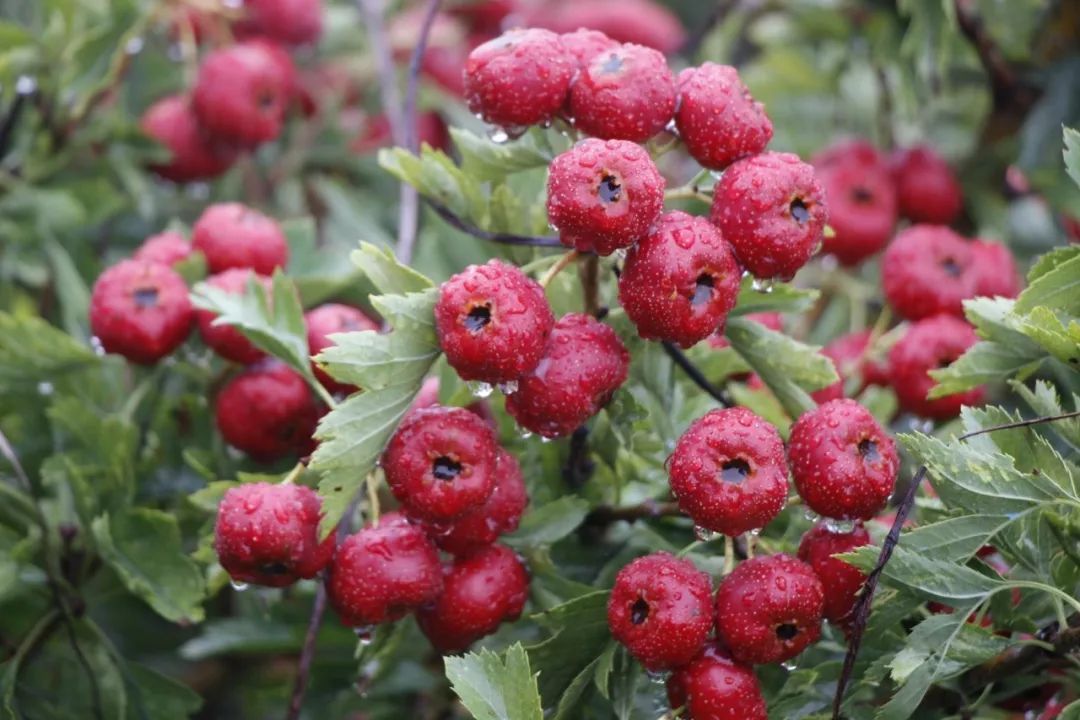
<point x="386" y="273"/>
<point x="1060" y="340"/>
<point x="1058" y="288"/>
<point x="580" y="635"/>
<point x="487" y="160"/>
<point x="549" y="523"/>
<point x="494" y="687"/>
<point x="158" y="697"/>
<point x="781" y="297"/>
<point x="924" y="577"/>
<point x="1051" y="260"/>
<point x="953" y="540"/>
<point x="982" y="363"/>
<point x="435" y="176"/>
<point x="1044" y="400"/>
<point x="1072" y="153"/>
<point x="33" y="351"/>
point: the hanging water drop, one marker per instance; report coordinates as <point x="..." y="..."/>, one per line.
<point x="95" y="343"/>
<point x="524" y="434"/>
<point x="790" y="665"/>
<point x="238" y="586"/>
<point x="365" y="634"/>
<point x="762" y="286"/>
<point x="134" y="46"/>
<point x="839" y="526"/>
<point x="810" y="515"/>
<point x="498" y="135"/>
<point x="659" y="677"/>
<point x="480" y="389"/>
<point x="704" y="534"/>
<point x="508" y="388"/>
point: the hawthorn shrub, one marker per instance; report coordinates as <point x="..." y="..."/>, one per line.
<point x="519" y="360"/>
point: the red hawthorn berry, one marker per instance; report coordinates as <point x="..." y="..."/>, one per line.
<point x="269" y="534"/>
<point x="624" y="93"/>
<point x="850" y="354"/>
<point x="679" y="282"/>
<point x="441" y="463"/>
<point x="829" y="392"/>
<point x="603" y="195"/>
<point x="927" y="270"/>
<point x="728" y="472"/>
<point x="846" y="150"/>
<point x="769" y="609"/>
<point x="430" y="130"/>
<point x="226" y="340"/>
<point x="267" y="411"/>
<point x="927" y="190"/>
<point x="290" y="22"/>
<point x="771" y="208"/>
<point x="520" y="78"/>
<point x="485" y="16"/>
<point x="140" y="310"/>
<point x="493" y="322"/>
<point x="772" y="320"/>
<point x="643" y="22"/>
<point x="931" y="344"/>
<point x="383" y="572"/>
<point x="499" y="514"/>
<point x="995" y="270"/>
<point x="843" y="463"/>
<point x="232" y="235"/>
<point x="241" y="94"/>
<point x="861" y="198"/>
<point x="326" y="320"/>
<point x="660" y="610"/>
<point x="166" y="248"/>
<point x="583" y="366"/>
<point x="194" y="154"/>
<point x="480" y="592"/>
<point x="715" y="687"/>
<point x="585" y="44"/>
<point x="840" y="581"/>
<point x="717" y="118"/>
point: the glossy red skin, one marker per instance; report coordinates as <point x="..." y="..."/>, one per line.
<point x="241" y="94"/>
<point x="166" y="248"/>
<point x="520" y="78"/>
<point x="267" y="411"/>
<point x="232" y="235"/>
<point x="430" y="130"/>
<point x="758" y="597"/>
<point x="480" y="591"/>
<point x="383" y="572"/>
<point x="225" y="340"/>
<point x="861" y="198"/>
<point x="604" y="195"/>
<point x="841" y="582"/>
<point x="517" y="328"/>
<point x="676" y="597"/>
<point x="926" y="187"/>
<point x="739" y="504"/>
<point x="290" y="22"/>
<point x="927" y="270"/>
<point x="849" y="354"/>
<point x="995" y="270"/>
<point x="717" y="118"/>
<point x="771" y="320"/>
<point x="500" y="513"/>
<point x="269" y="534"/>
<point x="834" y="478"/>
<point x="659" y="283"/>
<point x="715" y="687"/>
<point x="752" y="207"/>
<point x="196" y="155"/>
<point x="930" y="344"/>
<point x="585" y="44"/>
<point x="140" y="310"/>
<point x="624" y="93"/>
<point x="583" y="366"/>
<point x="627" y="21"/>
<point x="423" y="438"/>
<point x="326" y="320"/>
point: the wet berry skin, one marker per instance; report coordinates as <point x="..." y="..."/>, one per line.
<point x="441" y="463"/>
<point x="926" y="188"/>
<point x="680" y="282"/>
<point x="480" y="591"/>
<point x="927" y="270"/>
<point x="166" y="248"/>
<point x="843" y="463"/>
<point x="624" y="93"/>
<point x="383" y="572"/>
<point x="771" y="208"/>
<point x="712" y="686"/>
<point x="290" y="22"/>
<point x="232" y="235"/>
<point x="140" y="310"/>
<point x="603" y="195"/>
<point x="269" y="534"/>
<point x="717" y="118"/>
<point x="241" y="94"/>
<point x="267" y="411"/>
<point x="493" y="322"/>
<point x="928" y="345"/>
<point x="500" y="513"/>
<point x="995" y="270"/>
<point x="660" y="609"/>
<point x="519" y="78"/>
<point x="861" y="198"/>
<point x="840" y="581"/>
<point x="583" y="366"/>
<point x="728" y="472"/>
<point x="849" y="355"/>
<point x="769" y="609"/>
<point x="194" y="154"/>
<point x="326" y="320"/>
<point x="225" y="340"/>
<point x="584" y="44"/>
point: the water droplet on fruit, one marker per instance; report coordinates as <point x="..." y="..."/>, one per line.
<point x="508" y="388"/>
<point x="480" y="389"/>
<point x="839" y="526"/>
<point x="238" y="586"/>
<point x="762" y="286"/>
<point x="658" y="677"/>
<point x="705" y="534"/>
<point x="545" y="439"/>
<point x="811" y="515"/>
<point x="498" y="136"/>
<point x="789" y="665"/>
<point x="365" y="634"/>
<point x="524" y="434"/>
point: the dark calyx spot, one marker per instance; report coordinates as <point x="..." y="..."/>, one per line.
<point x="613" y="64"/>
<point x="735" y="471"/>
<point x="861" y="195"/>
<point x="787" y="631"/>
<point x="267" y="99"/>
<point x="703" y="290"/>
<point x="277" y="568"/>
<point x="951" y="268"/>
<point x="610" y="189"/>
<point x="799" y="211"/>
<point x="478" y="318"/>
<point x="445" y="468"/>
<point x="146" y="297"/>
<point x="868" y="450"/>
<point x="639" y="611"/>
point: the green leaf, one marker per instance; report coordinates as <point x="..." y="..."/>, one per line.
<point x="1044" y="400"/>
<point x="781" y="297"/>
<point x="387" y="274"/>
<point x="982" y="363"/>
<point x="1072" y="153"/>
<point x="159" y="697"/>
<point x="241" y="636"/>
<point x="945" y="582"/>
<point x="1052" y="260"/>
<point x="580" y="635"/>
<point x="144" y="548"/>
<point x="953" y="540"/>
<point x="487" y="160"/>
<point x="493" y="687"/>
<point x="1060" y="340"/>
<point x="1058" y="288"/>
<point x="33" y="351"/>
<point x="549" y="523"/>
<point x="435" y="176"/>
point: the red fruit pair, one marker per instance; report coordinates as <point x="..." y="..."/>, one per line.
<point x="268" y="411"/>
<point x="931" y="344"/>
<point x="861" y="196"/>
<point x="194" y="153"/>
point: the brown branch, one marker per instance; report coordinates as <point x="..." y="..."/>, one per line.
<point x="648" y="510"/>
<point x="1021" y="423"/>
<point x="505" y="238"/>
<point x="1026" y="659"/>
<point x="307" y="654"/>
<point x="589" y="273"/>
<point x="696" y="375"/>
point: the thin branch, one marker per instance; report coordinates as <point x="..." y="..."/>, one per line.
<point x="861" y="612"/>
<point x="579" y="467"/>
<point x="372" y="13"/>
<point x="696" y="375"/>
<point x="505" y="238"/>
<point x="1026" y="659"/>
<point x="589" y="273"/>
<point x="648" y="510"/>
<point x="307" y="654"/>
<point x="1022" y="423"/>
